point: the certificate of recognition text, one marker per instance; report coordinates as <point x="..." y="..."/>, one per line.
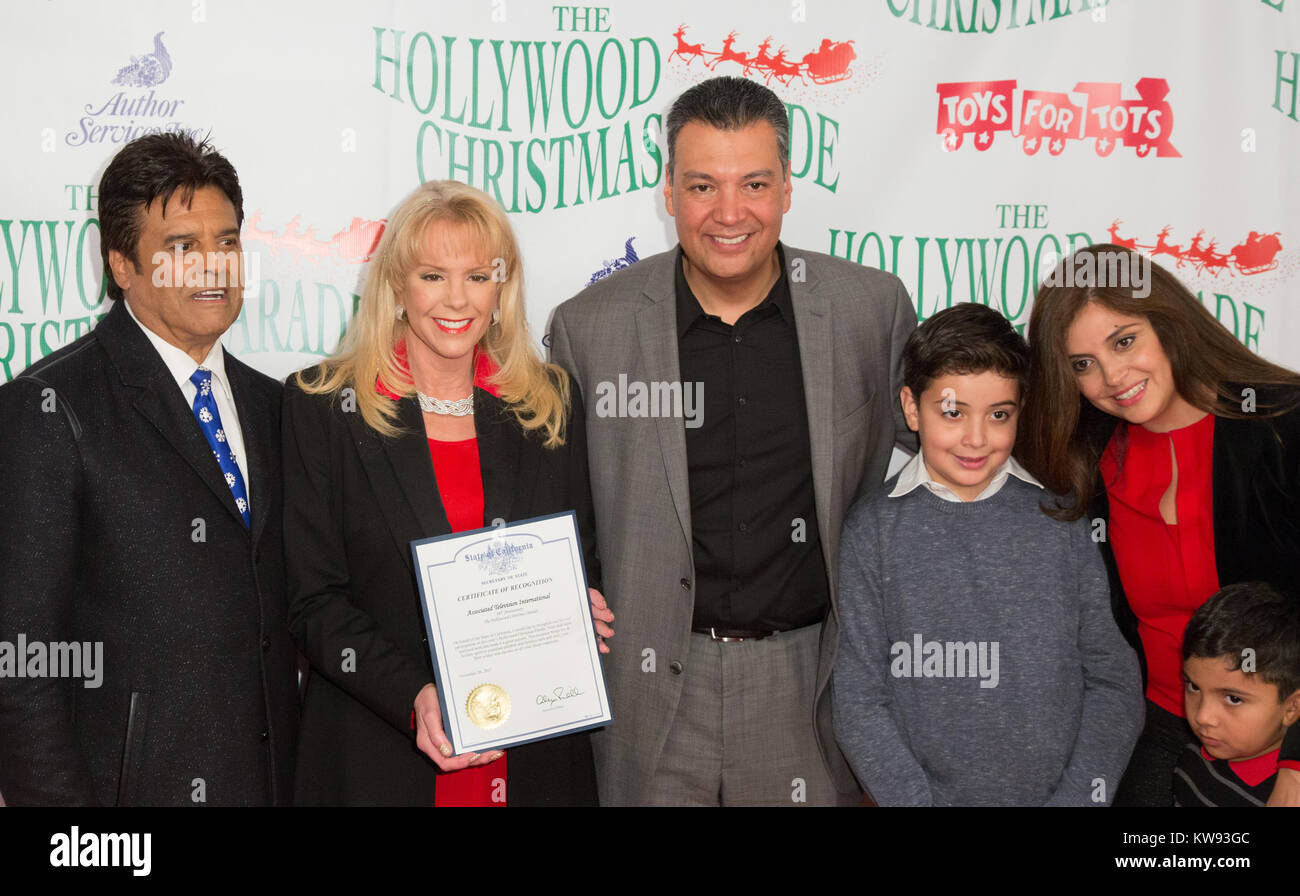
<point x="510" y="633"/>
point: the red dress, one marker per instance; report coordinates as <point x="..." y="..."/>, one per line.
<point x="1167" y="571"/>
<point x="460" y="483"/>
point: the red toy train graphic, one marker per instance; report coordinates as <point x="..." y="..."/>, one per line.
<point x="983" y="108"/>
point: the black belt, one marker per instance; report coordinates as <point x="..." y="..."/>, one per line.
<point x="734" y="634"/>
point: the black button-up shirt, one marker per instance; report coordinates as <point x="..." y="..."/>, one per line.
<point x="758" y="553"/>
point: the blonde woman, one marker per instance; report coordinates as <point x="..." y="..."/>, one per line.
<point x="436" y="415"/>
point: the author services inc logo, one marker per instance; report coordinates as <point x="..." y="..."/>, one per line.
<point x="135" y="105"/>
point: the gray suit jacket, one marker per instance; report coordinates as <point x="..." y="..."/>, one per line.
<point x="852" y="323"/>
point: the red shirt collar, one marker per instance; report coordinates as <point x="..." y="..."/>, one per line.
<point x="484" y="369"/>
<point x="1253" y="771"/>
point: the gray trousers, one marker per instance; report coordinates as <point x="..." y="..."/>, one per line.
<point x="743" y="734"/>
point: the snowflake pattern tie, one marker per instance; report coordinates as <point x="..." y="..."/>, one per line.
<point x="205" y="411"/>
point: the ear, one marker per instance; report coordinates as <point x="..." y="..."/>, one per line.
<point x="668" y="192"/>
<point x="789" y="185"/>
<point x="1291" y="709"/>
<point x="121" y="268"/>
<point x="910" y="410"/>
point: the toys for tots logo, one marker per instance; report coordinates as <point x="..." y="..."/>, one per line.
<point x="1041" y="118"/>
<point x="138" y="109"/>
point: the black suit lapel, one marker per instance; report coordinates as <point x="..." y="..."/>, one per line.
<point x="1237" y="469"/>
<point x="401" y="473"/>
<point x="262" y="456"/>
<point x="505" y="465"/>
<point x="160" y="400"/>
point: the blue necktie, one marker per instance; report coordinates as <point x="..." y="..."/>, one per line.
<point x="205" y="411"/>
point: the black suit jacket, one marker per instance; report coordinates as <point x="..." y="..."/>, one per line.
<point x="354" y="501"/>
<point x="1255" y="475"/>
<point x="118" y="528"/>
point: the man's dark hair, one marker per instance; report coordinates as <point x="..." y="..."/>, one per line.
<point x="1251" y="616"/>
<point x="966" y="338"/>
<point x="729" y="104"/>
<point x="154" y="168"/>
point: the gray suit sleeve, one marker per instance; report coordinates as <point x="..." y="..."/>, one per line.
<point x="1112" y="699"/>
<point x="865" y="726"/>
<point x="903" y="324"/>
<point x="561" y="351"/>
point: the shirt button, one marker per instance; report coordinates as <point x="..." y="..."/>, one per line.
<point x="738" y="339"/>
<point x="686" y="584"/>
<point x="266" y="643"/>
<point x="741" y="462"/>
<point x="675" y="667"/>
<point x="740" y="401"/>
<point x="744" y="527"/>
<point x="266" y="735"/>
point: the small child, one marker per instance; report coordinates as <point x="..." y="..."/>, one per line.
<point x="979" y="662"/>
<point x="1241" y="664"/>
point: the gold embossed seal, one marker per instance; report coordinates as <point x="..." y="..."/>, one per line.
<point x="487" y="706"/>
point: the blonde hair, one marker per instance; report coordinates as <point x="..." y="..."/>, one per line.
<point x="536" y="392"/>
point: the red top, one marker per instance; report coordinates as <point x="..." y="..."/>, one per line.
<point x="460" y="483"/>
<point x="1253" y="771"/>
<point x="1167" y="571"/>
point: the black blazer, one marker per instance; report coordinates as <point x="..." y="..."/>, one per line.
<point x="118" y="528"/>
<point x="354" y="501"/>
<point x="1255" y="474"/>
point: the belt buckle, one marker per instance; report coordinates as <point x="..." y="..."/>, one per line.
<point x="729" y="639"/>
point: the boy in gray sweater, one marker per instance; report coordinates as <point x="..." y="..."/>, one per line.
<point x="979" y="662"/>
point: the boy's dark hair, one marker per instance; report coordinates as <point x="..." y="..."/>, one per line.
<point x="1251" y="616"/>
<point x="966" y="338"/>
<point x="151" y="169"/>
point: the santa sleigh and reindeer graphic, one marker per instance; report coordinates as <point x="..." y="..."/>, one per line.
<point x="829" y="63"/>
<point x="1256" y="254"/>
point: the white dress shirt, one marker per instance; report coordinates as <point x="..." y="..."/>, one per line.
<point x="915" y="473"/>
<point x="182" y="367"/>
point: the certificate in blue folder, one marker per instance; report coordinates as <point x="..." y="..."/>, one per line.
<point x="510" y="632"/>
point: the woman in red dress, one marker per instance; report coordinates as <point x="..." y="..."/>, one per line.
<point x="1185" y="453"/>
<point x="436" y="415"/>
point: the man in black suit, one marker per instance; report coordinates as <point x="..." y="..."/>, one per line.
<point x="141" y="527"/>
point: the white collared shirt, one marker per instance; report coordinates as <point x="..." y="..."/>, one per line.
<point x="915" y="473"/>
<point x="182" y="367"/>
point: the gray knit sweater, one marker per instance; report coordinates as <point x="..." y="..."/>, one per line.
<point x="979" y="662"/>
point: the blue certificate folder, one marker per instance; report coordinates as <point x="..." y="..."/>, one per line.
<point x="509" y="625"/>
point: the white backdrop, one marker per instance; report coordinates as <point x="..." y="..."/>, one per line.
<point x="910" y="140"/>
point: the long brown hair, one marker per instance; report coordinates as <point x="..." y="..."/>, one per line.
<point x="1062" y="436"/>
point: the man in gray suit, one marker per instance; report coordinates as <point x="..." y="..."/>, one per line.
<point x="739" y="395"/>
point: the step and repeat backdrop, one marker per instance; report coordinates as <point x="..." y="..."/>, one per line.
<point x="964" y="145"/>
